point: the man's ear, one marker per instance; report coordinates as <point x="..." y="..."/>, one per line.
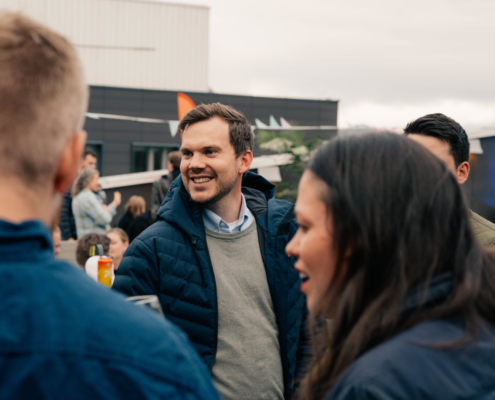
<point x="463" y="172"/>
<point x="246" y="160"/>
<point x="70" y="162"/>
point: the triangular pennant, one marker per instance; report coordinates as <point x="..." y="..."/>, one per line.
<point x="173" y="126"/>
<point x="284" y="123"/>
<point x="273" y="122"/>
<point x="259" y="124"/>
<point x="184" y="104"/>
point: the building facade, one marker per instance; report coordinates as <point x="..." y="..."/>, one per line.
<point x="131" y="43"/>
<point x="125" y="146"/>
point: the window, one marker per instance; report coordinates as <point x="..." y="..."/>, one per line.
<point x="150" y="157"/>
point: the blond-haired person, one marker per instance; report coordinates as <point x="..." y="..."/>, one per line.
<point x="61" y="334"/>
<point x="135" y="206"/>
<point x="119" y="241"/>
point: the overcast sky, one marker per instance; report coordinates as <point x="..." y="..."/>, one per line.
<point x="386" y="61"/>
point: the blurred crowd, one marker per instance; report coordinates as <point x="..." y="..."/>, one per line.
<point x="86" y="216"/>
<point x="378" y="283"/>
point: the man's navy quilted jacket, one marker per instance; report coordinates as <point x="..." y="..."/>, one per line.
<point x="170" y="259"/>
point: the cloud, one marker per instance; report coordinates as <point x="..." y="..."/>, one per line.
<point x="385" y="60"/>
<point x="471" y="115"/>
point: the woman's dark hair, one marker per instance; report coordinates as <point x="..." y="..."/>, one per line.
<point x="400" y="214"/>
<point x="442" y="127"/>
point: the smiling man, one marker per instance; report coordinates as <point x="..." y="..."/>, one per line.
<point x="445" y="138"/>
<point x="216" y="259"/>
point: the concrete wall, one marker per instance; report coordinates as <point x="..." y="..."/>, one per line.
<point x="131" y="43"/>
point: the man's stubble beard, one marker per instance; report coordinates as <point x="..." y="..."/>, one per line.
<point x="224" y="188"/>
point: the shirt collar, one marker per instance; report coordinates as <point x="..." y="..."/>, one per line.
<point x="214" y="223"/>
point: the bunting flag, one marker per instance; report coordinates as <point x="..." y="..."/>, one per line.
<point x="184" y="104"/>
<point x="173" y="126"/>
<point x="284" y="123"/>
<point x="259" y="124"/>
<point x="273" y="122"/>
<point x="92" y="116"/>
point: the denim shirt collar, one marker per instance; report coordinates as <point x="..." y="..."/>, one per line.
<point x="214" y="223"/>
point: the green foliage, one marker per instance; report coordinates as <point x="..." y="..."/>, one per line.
<point x="289" y="142"/>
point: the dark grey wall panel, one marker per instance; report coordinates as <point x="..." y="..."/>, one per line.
<point x="117" y="136"/>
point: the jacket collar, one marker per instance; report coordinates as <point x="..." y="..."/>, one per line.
<point x="181" y="211"/>
<point x="28" y="240"/>
<point x="437" y="289"/>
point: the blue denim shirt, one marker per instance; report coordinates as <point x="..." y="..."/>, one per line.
<point x="214" y="223"/>
<point x="64" y="336"/>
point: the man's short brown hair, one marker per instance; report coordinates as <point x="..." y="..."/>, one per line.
<point x="241" y="134"/>
<point x="174" y="158"/>
<point x="42" y="98"/>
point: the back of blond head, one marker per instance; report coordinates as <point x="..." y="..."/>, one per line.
<point x="135" y="205"/>
<point x="42" y="98"/>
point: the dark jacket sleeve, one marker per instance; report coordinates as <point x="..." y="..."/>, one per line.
<point x="138" y="273"/>
<point x="159" y="190"/>
<point x="67" y="222"/>
<point x="357" y="392"/>
<point x="155" y="196"/>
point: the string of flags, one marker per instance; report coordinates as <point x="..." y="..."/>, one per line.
<point x="186" y="104"/>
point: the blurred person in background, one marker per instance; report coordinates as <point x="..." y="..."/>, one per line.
<point x="159" y="188"/>
<point x="84" y="244"/>
<point x="61" y="334"/>
<point x="135" y="206"/>
<point x="386" y="251"/>
<point x="57" y="240"/>
<point x="216" y="260"/>
<point x="445" y="138"/>
<point x="67" y="221"/>
<point x="140" y="224"/>
<point x="89" y="159"/>
<point x="91" y="215"/>
<point x="119" y="241"/>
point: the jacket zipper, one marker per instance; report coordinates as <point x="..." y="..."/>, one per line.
<point x="216" y="302"/>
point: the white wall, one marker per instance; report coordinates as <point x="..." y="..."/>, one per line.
<point x="131" y="43"/>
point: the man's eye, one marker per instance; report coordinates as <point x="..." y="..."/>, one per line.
<point x="186" y="154"/>
<point x="210" y="152"/>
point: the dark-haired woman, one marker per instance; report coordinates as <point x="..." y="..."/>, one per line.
<point x="395" y="265"/>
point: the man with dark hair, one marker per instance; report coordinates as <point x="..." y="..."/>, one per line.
<point x="62" y="335"/>
<point x="216" y="260"/>
<point x="159" y="188"/>
<point x="445" y="138"/>
<point x="67" y="221"/>
<point x="89" y="159"/>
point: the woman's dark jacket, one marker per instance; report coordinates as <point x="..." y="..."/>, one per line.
<point x="125" y="221"/>
<point x="407" y="366"/>
<point x="170" y="259"/>
<point x="139" y="225"/>
<point x="67" y="223"/>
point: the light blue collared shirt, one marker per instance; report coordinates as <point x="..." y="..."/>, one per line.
<point x="214" y="223"/>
